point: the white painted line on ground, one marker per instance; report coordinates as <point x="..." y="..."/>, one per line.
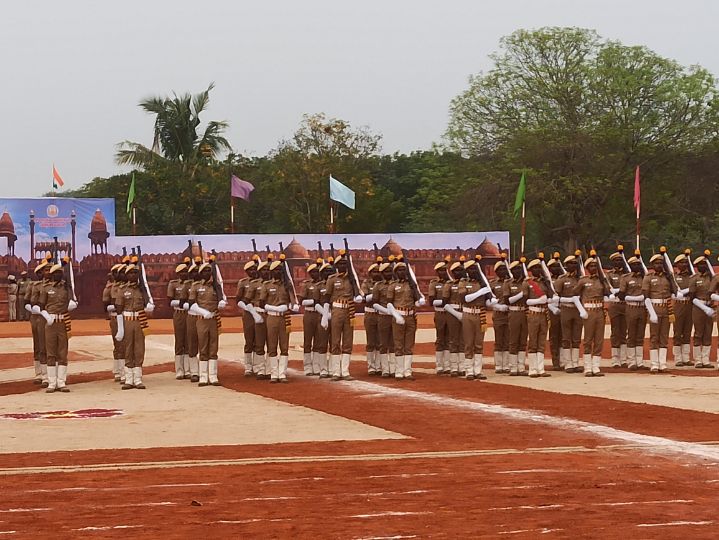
<point x="108" y="528"/>
<point x="313" y="478"/>
<point x="540" y="531"/>
<point x="398" y="537"/>
<point x="529" y="507"/>
<point x="17" y="510"/>
<point x="56" y="490"/>
<point x="8" y="532"/>
<point x="269" y="498"/>
<point x="532" y="471"/>
<point x="388" y="514"/>
<point x="397" y="475"/>
<point x="628" y="503"/>
<point x="675" y="523"/>
<point x="659" y="445"/>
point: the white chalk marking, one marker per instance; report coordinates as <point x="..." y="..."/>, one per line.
<point x="398" y="537"/>
<point x="517" y="487"/>
<point x="377" y="494"/>
<point x="118" y="488"/>
<point x="525" y="471"/>
<point x="245" y="521"/>
<point x="14" y="510"/>
<point x="655" y="444"/>
<point x="675" y="523"/>
<point x="540" y="531"/>
<point x="386" y="514"/>
<point x="529" y="507"/>
<point x="8" y="532"/>
<point x="398" y="475"/>
<point x="313" y="478"/>
<point x="269" y="498"/>
<point x="627" y="503"/>
<point x="108" y="528"/>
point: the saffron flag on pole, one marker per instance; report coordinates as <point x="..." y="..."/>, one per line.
<point x="637" y="192"/>
<point x="341" y="193"/>
<point x="519" y="200"/>
<point x="240" y="188"/>
<point x="57" y="181"/>
<point x="131" y="195"/>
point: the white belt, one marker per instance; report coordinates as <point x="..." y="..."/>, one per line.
<point x="681" y="300"/>
<point x="406" y="312"/>
<point x="635" y="304"/>
<point x="179" y="309"/>
<point x="471" y="310"/>
<point x="370" y="310"/>
<point x="536" y="309"/>
<point x="439" y="309"/>
<point x="56" y="316"/>
<point x="659" y="301"/>
<point x="275" y="314"/>
<point x="517" y="308"/>
<point x="341" y="305"/>
<point x="130" y="313"/>
<point x="309" y="309"/>
<point x="593" y="305"/>
<point x="455" y="306"/>
<point x="568" y="305"/>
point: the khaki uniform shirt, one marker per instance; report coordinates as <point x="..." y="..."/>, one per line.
<point x="12" y="290"/>
<point x="339" y="288"/>
<point x="253" y="291"/>
<point x="129" y="298"/>
<point x="379" y="292"/>
<point x="590" y="289"/>
<point x="36" y="291"/>
<point x="511" y="288"/>
<point x="656" y="287"/>
<point x="274" y="293"/>
<point x="107" y="293"/>
<point x="310" y="290"/>
<point x="684" y="279"/>
<point x="469" y="286"/>
<point x="451" y="293"/>
<point x="174" y="289"/>
<point x="242" y="285"/>
<point x="400" y="295"/>
<point x="536" y="288"/>
<point x="564" y="285"/>
<point x="22" y="287"/>
<point x="434" y="292"/>
<point x="55" y="298"/>
<point x="615" y="277"/>
<point x="203" y="294"/>
<point x="631" y="284"/>
<point x="699" y="286"/>
<point x="714" y="284"/>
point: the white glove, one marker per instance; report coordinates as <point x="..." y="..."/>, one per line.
<point x="368" y="298"/>
<point x="71" y="305"/>
<point x="359" y="299"/>
<point x="381" y="309"/>
<point x="582" y="312"/>
<point x="614" y="290"/>
<point x="277" y="309"/>
<point x="398" y="318"/>
<point x="36" y="310"/>
<point x="612" y="298"/>
<point x="325" y="321"/>
<point x="679" y="295"/>
<point x="47" y="317"/>
<point x="256" y="316"/>
<point x="294" y="308"/>
<point x="149" y="308"/>
<point x="638" y="298"/>
<point x="709" y="312"/>
<point x="537" y="301"/>
<point x="175" y="303"/>
<point x="222" y="304"/>
<point x="566" y="300"/>
<point x="420" y="302"/>
<point x="456" y="314"/>
<point x="241" y="305"/>
<point x="516" y="298"/>
<point x="110" y="308"/>
<point x="471" y="297"/>
<point x="684" y="291"/>
<point x="554" y="300"/>
<point x="554" y="308"/>
<point x="186" y="306"/>
<point x="497" y="306"/>
<point x="714" y="297"/>
<point x="308" y="302"/>
<point x="28" y="307"/>
<point x="437" y="303"/>
<point x="120" y="328"/>
<point x="650" y="309"/>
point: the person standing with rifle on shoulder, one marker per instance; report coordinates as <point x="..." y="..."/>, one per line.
<point x="630" y="292"/>
<point x="434" y="296"/>
<point x="591" y="290"/>
<point x="702" y="313"/>
<point x="559" y="359"/>
<point x="537" y="291"/>
<point x="248" y="317"/>
<point x="371" y="318"/>
<point x="513" y="296"/>
<point x="500" y="317"/>
<point x="682" y="327"/>
<point x="401" y="299"/>
<point x="617" y="309"/>
<point x="571" y="312"/>
<point x="276" y="301"/>
<point x="179" y="321"/>
<point x="475" y="292"/>
<point x="658" y="289"/>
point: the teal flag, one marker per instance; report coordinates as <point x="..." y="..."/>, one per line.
<point x="341" y="193"/>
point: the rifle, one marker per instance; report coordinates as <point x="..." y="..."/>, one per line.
<point x="287" y="280"/>
<point x="546" y="272"/>
<point x="217" y="283"/>
<point x="600" y="271"/>
<point x="354" y="280"/>
<point x="707" y="254"/>
<point x="620" y="249"/>
<point x="557" y="257"/>
<point x="416" y="293"/>
<point x="332" y="250"/>
<point x="580" y="262"/>
<point x="144" y="286"/>
<point x="669" y="269"/>
<point x="69" y="275"/>
<point x="320" y="250"/>
<point x="478" y="258"/>
<point x="638" y="255"/>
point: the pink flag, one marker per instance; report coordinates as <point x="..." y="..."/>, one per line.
<point x="240" y="188"/>
<point x="637" y="192"/>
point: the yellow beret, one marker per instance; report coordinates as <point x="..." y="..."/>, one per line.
<point x="203" y="266"/>
<point x="399" y="264"/>
<point x="116" y="267"/>
<point x="455" y="266"/>
<point x="327" y="265"/>
<point x="700" y="258"/>
<point x="570" y="258"/>
<point x="313" y="266"/>
<point x="384" y="266"/>
<point x="275" y="264"/>
<point x="42" y="265"/>
<point x="130" y="268"/>
<point x="55" y="268"/>
<point x="615" y="255"/>
<point x="261" y="265"/>
<point x="498" y="264"/>
<point x="440" y="264"/>
<point x="680" y="257"/>
<point x="533" y="262"/>
<point x="590" y="260"/>
<point x="550" y="262"/>
<point x="373" y="266"/>
<point x="657" y="257"/>
<point x="469" y="263"/>
<point x="633" y="260"/>
<point x="514" y="264"/>
<point x="248" y="265"/>
<point x="180" y="268"/>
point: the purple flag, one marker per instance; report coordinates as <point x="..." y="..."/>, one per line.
<point x="241" y="188"/>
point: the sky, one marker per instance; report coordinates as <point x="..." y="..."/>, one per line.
<point x="72" y="72"/>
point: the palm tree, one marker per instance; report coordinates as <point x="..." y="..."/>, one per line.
<point x="176" y="138"/>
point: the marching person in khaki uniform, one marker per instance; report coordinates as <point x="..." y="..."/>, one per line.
<point x="12" y="290"/>
<point x="37" y="323"/>
<point x="205" y="303"/>
<point x="322" y="341"/>
<point x="617" y="311"/>
<point x="702" y="313"/>
<point x="657" y="289"/>
<point x="474" y="294"/>
<point x="251" y="301"/>
<point x="555" y="319"/>
<point x="452" y="298"/>
<point x="591" y="291"/>
<point x="309" y="297"/>
<point x="111" y="291"/>
<point x="536" y="293"/>
<point x="513" y="296"/>
<point x="129" y="304"/>
<point x="22" y="286"/>
<point x="175" y="290"/>
<point x="248" y="317"/>
<point x="714" y="293"/>
<point x="681" y="341"/>
<point x="275" y="300"/>
<point x="191" y="321"/>
<point x="569" y="313"/>
<point x="630" y="290"/>
<point x="400" y="305"/>
<point x="55" y="303"/>
<point x="434" y="296"/>
<point x="371" y="318"/>
<point x="500" y="318"/>
<point x="384" y="324"/>
<point x="339" y="296"/>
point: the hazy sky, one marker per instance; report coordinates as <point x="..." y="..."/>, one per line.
<point x="72" y="72"/>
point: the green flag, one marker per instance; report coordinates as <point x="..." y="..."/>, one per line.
<point x="131" y="195"/>
<point x="519" y="201"/>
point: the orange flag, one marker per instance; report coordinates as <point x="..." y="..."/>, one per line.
<point x="57" y="181"/>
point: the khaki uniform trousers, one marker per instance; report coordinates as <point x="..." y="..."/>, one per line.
<point x="517" y="331"/>
<point x="594" y="332"/>
<point x="261" y="335"/>
<point x="118" y="347"/>
<point x="404" y="335"/>
<point x="208" y="338"/>
<point x="683" y="319"/>
<point x="310" y="329"/>
<point x="636" y="325"/>
<point x="386" y="343"/>
<point x="618" y="324"/>
<point x="248" y="330"/>
<point x="179" y="324"/>
<point x="38" y="325"/>
<point x="571" y="327"/>
<point x="441" y="326"/>
<point x="455" y="334"/>
<point x="659" y="332"/>
<point x="134" y="343"/>
<point x="537" y="326"/>
<point x="321" y="343"/>
<point x="703" y="327"/>
<point x="371" y="327"/>
<point x="472" y="334"/>
<point x="191" y="323"/>
<point x="555" y="337"/>
<point x="500" y="323"/>
<point x="56" y="343"/>
<point x="277" y="335"/>
<point x="12" y="306"/>
<point x="341" y="335"/>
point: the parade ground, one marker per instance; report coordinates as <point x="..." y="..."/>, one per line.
<point x="629" y="455"/>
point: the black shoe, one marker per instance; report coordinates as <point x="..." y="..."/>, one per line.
<point x="195" y="378"/>
<point x="335" y="378"/>
<point x="140" y="386"/>
<point x="598" y="374"/>
<point x="589" y="374"/>
<point x="633" y="367"/>
<point x="454" y="374"/>
<point x="248" y="374"/>
<point x="284" y="381"/>
<point x="49" y="390"/>
<point x="348" y="378"/>
<point x="272" y="381"/>
<point x="385" y="375"/>
<point x="325" y="376"/>
<point x="127" y="386"/>
<point x="409" y="378"/>
<point x="545" y="374"/>
<point x="186" y="376"/>
<point x="481" y="377"/>
<point x="37" y="381"/>
<point x="514" y="374"/>
<point x="63" y="389"/>
<point x="624" y="364"/>
<point x="470" y="377"/>
<point x="216" y="383"/>
<point x="44" y="385"/>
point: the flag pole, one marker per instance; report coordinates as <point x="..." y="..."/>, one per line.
<point x="523" y="227"/>
<point x="332" y="218"/>
<point x="232" y="215"/>
<point x="134" y="220"/>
